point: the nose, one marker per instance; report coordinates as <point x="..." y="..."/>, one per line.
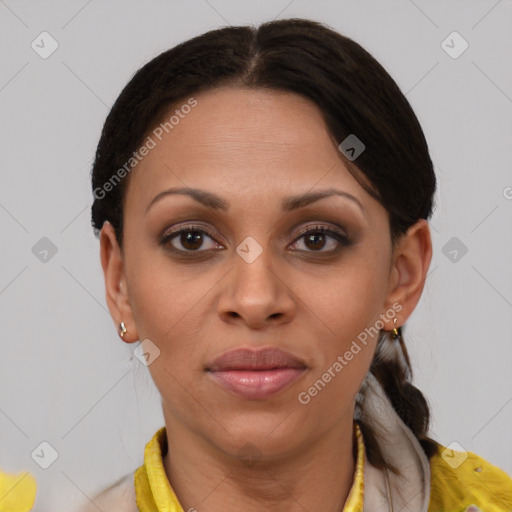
<point x="255" y="291"/>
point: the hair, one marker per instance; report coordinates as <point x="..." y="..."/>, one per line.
<point x="355" y="95"/>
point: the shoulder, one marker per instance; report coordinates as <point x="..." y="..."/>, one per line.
<point x="119" y="497"/>
<point x="460" y="479"/>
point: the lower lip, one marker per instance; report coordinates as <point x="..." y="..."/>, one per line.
<point x="257" y="384"/>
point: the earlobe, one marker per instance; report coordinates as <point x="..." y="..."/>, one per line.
<point x="116" y="291"/>
<point x="411" y="261"/>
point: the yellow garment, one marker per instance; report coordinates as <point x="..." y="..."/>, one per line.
<point x="455" y="485"/>
<point x="154" y="493"/>
<point x="17" y="492"/>
<point x="475" y="481"/>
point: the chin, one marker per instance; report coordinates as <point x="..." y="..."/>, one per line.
<point x="261" y="434"/>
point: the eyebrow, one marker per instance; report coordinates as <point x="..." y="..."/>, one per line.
<point x="215" y="202"/>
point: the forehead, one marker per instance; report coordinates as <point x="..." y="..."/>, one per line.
<point x="237" y="140"/>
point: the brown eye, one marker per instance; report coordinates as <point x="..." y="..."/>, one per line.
<point x="317" y="238"/>
<point x="187" y="239"/>
<point x="191" y="240"/>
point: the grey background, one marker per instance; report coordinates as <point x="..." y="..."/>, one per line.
<point x="67" y="379"/>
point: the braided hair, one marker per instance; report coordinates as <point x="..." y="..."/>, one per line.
<point x="393" y="370"/>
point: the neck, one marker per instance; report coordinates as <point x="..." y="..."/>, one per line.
<point x="318" y="476"/>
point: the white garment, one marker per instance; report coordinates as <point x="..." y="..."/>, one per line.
<point x="409" y="492"/>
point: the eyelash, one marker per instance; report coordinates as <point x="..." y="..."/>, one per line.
<point x="341" y="238"/>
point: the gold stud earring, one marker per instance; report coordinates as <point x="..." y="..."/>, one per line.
<point x="122" y="329"/>
<point x="396" y="332"/>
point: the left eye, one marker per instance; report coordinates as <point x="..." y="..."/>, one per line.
<point x="317" y="236"/>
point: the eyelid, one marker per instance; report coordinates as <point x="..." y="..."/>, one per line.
<point x="190" y="226"/>
<point x="338" y="229"/>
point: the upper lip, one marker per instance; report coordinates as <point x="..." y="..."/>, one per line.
<point x="255" y="359"/>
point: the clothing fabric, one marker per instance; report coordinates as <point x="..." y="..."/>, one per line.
<point x="452" y="481"/>
<point x="154" y="492"/>
<point x="17" y="492"/>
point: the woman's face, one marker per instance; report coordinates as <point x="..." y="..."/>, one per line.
<point x="253" y="279"/>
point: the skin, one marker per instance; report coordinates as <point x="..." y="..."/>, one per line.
<point x="294" y="296"/>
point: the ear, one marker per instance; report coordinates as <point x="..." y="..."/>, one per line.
<point x="411" y="260"/>
<point x="116" y="289"/>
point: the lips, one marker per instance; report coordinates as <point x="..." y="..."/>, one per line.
<point x="256" y="374"/>
<point x="262" y="359"/>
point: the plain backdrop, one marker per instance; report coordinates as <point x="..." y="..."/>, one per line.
<point x="67" y="379"/>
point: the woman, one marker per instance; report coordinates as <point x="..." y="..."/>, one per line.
<point x="262" y="198"/>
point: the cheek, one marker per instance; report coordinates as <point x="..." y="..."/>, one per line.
<point x="165" y="304"/>
<point x="345" y="319"/>
<point x="346" y="301"/>
<point x="343" y="311"/>
<point x="168" y="311"/>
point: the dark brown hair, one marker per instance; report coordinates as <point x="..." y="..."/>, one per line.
<point x="355" y="95"/>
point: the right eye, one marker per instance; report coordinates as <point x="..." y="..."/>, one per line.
<point x="190" y="237"/>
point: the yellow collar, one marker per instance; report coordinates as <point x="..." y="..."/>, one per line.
<point x="154" y="492"/>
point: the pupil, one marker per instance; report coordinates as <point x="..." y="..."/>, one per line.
<point x="193" y="238"/>
<point x="314" y="238"/>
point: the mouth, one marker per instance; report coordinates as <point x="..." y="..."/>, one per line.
<point x="256" y="374"/>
